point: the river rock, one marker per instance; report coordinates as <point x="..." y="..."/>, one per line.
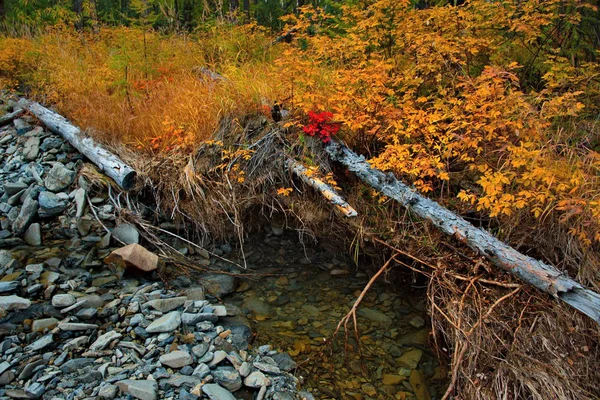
<point x="26" y="216"/>
<point x="58" y="178"/>
<point x="13" y="302"/>
<point x="39" y="325"/>
<point x="374" y="315"/>
<point x="140" y="389"/>
<point x="176" y="359"/>
<point x="166" y="323"/>
<point x="219" y="285"/>
<point x="51" y="204"/>
<point x="216" y="392"/>
<point x="256" y="379"/>
<point x="105" y="340"/>
<point x="228" y="377"/>
<point x="31" y="148"/>
<point x="33" y="235"/>
<point x="126" y="233"/>
<point x="63" y="300"/>
<point x="166" y="305"/>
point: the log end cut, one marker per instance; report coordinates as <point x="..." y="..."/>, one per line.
<point x="129" y="180"/>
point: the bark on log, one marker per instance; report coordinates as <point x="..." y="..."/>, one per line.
<point x="8" y="118"/>
<point x="534" y="272"/>
<point x="109" y="163"/>
<point x="327" y="191"/>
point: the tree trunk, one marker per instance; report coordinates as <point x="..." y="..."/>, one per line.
<point x="109" y="163"/>
<point x="536" y="273"/>
<point x="8" y="118"/>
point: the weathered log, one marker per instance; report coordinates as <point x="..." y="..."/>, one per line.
<point x="327" y="191"/>
<point x="109" y="163"/>
<point x="8" y="118"/>
<point x="534" y="272"/>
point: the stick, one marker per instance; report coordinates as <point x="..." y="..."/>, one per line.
<point x="534" y="272"/>
<point x="112" y="165"/>
<point x="327" y="191"/>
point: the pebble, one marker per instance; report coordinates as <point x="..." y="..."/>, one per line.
<point x="176" y="359"/>
<point x="63" y="300"/>
<point x="140" y="389"/>
<point x="13" y="302"/>
<point x="166" y="323"/>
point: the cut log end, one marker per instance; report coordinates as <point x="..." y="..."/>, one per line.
<point x="129" y="180"/>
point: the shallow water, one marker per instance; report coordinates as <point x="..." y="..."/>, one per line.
<point x="298" y="308"/>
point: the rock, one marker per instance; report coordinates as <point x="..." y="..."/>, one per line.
<point x="266" y="367"/>
<point x="108" y="391"/>
<point x="35" y="390"/>
<point x="126" y="233"/>
<point x="417" y="322"/>
<point x="76" y="365"/>
<point x="51" y="204"/>
<point x="22" y="126"/>
<point x="8" y="286"/>
<point x="75" y="326"/>
<point x="51" y="143"/>
<point x="5" y="258"/>
<point x="176" y="359"/>
<point x="228" y="377"/>
<point x="216" y="392"/>
<point x="166" y="305"/>
<point x="9" y="303"/>
<point x="166" y="323"/>
<point x="284" y="361"/>
<point x="41" y="343"/>
<point x="134" y="256"/>
<point x="39" y="325"/>
<point x="58" y="178"/>
<point x="14" y="188"/>
<point x="410" y="359"/>
<point x="193" y="319"/>
<point x="256" y="379"/>
<point x="79" y="198"/>
<point x="105" y="340"/>
<point x="31" y="148"/>
<point x="33" y="235"/>
<point x="26" y="216"/>
<point x="417" y="381"/>
<point x="374" y="315"/>
<point x="63" y="300"/>
<point x="219" y="285"/>
<point x="142" y="389"/>
<point x="201" y="371"/>
<point x="392" y="380"/>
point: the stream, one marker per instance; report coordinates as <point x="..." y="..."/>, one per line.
<point x="297" y="308"/>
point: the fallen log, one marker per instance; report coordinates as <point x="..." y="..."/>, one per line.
<point x="327" y="191"/>
<point x="109" y="163"/>
<point x="534" y="272"/>
<point x="9" y="117"/>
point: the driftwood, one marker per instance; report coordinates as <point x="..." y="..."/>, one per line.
<point x="8" y="118"/>
<point x="534" y="272"/>
<point x="109" y="163"/>
<point x="327" y="191"/>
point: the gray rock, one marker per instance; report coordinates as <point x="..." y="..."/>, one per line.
<point x="218" y="356"/>
<point x="166" y="323"/>
<point x="33" y="235"/>
<point x="193" y="319"/>
<point x="76" y="364"/>
<point x="176" y="359"/>
<point x="26" y="216"/>
<point x="266" y="367"/>
<point x="22" y="126"/>
<point x="179" y="380"/>
<point x="63" y="300"/>
<point x="51" y="143"/>
<point x="105" y="340"/>
<point x="79" y="202"/>
<point x="5" y="258"/>
<point x="166" y="305"/>
<point x="35" y="390"/>
<point x="108" y="391"/>
<point x="51" y="204"/>
<point x="8" y="286"/>
<point x="14" y="302"/>
<point x="41" y="343"/>
<point x="256" y="379"/>
<point x="58" y="178"/>
<point x="201" y="371"/>
<point x="126" y="233"/>
<point x="39" y="325"/>
<point x="14" y="188"/>
<point x="142" y="389"/>
<point x="284" y="361"/>
<point x="374" y="315"/>
<point x="219" y="285"/>
<point x="76" y="326"/>
<point x="216" y="392"/>
<point x="31" y="148"/>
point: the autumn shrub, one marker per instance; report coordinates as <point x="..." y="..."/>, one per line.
<point x="442" y="97"/>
